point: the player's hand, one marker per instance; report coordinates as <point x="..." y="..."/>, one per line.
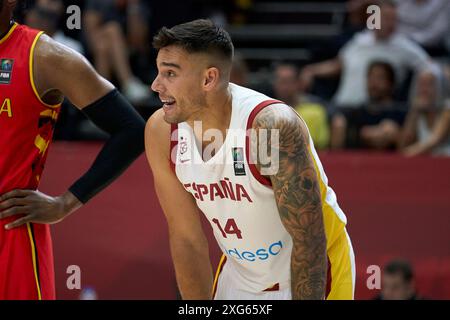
<point x="35" y="206"/>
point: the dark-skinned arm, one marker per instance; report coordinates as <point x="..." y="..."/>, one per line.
<point x="60" y="71"/>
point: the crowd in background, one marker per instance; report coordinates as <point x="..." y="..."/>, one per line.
<point x="392" y="88"/>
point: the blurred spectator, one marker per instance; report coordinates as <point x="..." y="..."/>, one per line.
<point x="376" y="124"/>
<point x="103" y="21"/>
<point x="240" y="75"/>
<point x="427" y="126"/>
<point x="398" y="282"/>
<point x="426" y="22"/>
<point x="287" y="88"/>
<point x="356" y="18"/>
<point x="353" y="60"/>
<point x="239" y="71"/>
<point x="46" y="15"/>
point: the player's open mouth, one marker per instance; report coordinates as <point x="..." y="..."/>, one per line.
<point x="168" y="104"/>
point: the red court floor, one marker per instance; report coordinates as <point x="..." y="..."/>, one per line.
<point x="395" y="207"/>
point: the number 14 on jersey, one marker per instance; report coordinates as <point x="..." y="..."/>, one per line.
<point x="229" y="229"/>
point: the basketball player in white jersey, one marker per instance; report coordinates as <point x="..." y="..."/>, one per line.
<point x="281" y="231"/>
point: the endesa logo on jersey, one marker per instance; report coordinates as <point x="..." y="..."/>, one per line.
<point x="259" y="254"/>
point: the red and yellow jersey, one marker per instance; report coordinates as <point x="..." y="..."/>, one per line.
<point x="26" y="122"/>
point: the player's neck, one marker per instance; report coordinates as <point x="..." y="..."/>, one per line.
<point x="217" y="112"/>
<point x="5" y="26"/>
<point x="217" y="116"/>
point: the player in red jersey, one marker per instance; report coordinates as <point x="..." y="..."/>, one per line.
<point x="36" y="73"/>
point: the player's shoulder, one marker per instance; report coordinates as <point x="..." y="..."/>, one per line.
<point x="276" y="116"/>
<point x="157" y="123"/>
<point x="53" y="53"/>
<point x="157" y="130"/>
<point x="284" y="120"/>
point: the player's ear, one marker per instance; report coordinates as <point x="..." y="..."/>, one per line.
<point x="211" y="78"/>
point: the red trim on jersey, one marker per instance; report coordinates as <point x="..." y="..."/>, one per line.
<point x="265" y="181"/>
<point x="328" y="288"/>
<point x="275" y="287"/>
<point x="173" y="146"/>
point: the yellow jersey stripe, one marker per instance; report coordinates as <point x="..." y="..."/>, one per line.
<point x="9" y="33"/>
<point x="34" y="258"/>
<point x="338" y="248"/>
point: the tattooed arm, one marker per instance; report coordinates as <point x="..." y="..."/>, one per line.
<point x="297" y="195"/>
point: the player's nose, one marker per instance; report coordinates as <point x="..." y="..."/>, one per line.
<point x="156" y="85"/>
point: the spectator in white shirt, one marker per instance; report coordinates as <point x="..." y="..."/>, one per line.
<point x="424" y="21"/>
<point x="353" y="60"/>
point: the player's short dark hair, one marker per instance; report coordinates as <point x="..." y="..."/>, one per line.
<point x="400" y="266"/>
<point x="197" y="36"/>
<point x="387" y="67"/>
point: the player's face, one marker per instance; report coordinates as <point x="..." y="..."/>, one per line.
<point x="179" y="83"/>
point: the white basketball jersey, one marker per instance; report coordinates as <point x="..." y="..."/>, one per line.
<point x="239" y="204"/>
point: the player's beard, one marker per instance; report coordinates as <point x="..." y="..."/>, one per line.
<point x="194" y="112"/>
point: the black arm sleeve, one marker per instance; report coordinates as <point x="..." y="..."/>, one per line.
<point x="113" y="114"/>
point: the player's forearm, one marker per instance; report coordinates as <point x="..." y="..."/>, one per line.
<point x="309" y="269"/>
<point x="115" y="115"/>
<point x="297" y="194"/>
<point x="193" y="269"/>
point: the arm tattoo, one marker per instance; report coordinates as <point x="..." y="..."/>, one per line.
<point x="298" y="199"/>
